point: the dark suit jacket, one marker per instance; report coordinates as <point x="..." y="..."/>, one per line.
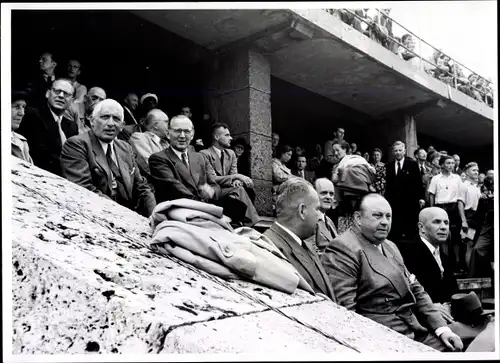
<point x="309" y="175"/>
<point x="172" y="180"/>
<point x="37" y="89"/>
<point x="420" y="262"/>
<point x="303" y="259"/>
<point x="377" y="285"/>
<point x="129" y="116"/>
<point x="83" y="162"/>
<point x="42" y="133"/>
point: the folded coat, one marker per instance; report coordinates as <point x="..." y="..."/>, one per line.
<point x="199" y="234"/>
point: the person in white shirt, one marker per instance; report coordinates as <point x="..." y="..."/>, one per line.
<point x="19" y="143"/>
<point x="443" y="192"/>
<point x="76" y="109"/>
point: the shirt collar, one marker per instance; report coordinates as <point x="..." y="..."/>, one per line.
<point x="15" y="135"/>
<point x="179" y="153"/>
<point x="153" y="135"/>
<point x="56" y="118"/>
<point x="429" y="245"/>
<point x="322" y="217"/>
<point x="293" y="235"/>
<point x="105" y="146"/>
<point x="217" y="151"/>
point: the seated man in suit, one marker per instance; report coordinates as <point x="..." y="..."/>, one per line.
<point x="368" y="276"/>
<point x="130" y="104"/>
<point x="297" y="212"/>
<point x="181" y="172"/>
<point x="425" y="259"/>
<point x="222" y="166"/>
<point x="151" y="141"/>
<point x="46" y="128"/>
<point x="300" y="169"/>
<point x="325" y="229"/>
<point x="99" y="162"/>
<point x="90" y="100"/>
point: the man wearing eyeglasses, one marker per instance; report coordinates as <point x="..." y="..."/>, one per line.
<point x="98" y="161"/>
<point x="46" y="128"/>
<point x="181" y="172"/>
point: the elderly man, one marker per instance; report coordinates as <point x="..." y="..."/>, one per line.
<point x="46" y="128"/>
<point x="180" y="172"/>
<point x="90" y="100"/>
<point x="368" y="276"/>
<point x="19" y="144"/>
<point x="222" y="168"/>
<point x="297" y="212"/>
<point x="129" y="106"/>
<point x="96" y="160"/>
<point x="405" y="193"/>
<point x="424" y="257"/>
<point x="153" y="140"/>
<point x="325" y="229"/>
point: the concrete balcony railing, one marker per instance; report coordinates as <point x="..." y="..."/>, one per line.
<point x="438" y="64"/>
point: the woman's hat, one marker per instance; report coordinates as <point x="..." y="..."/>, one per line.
<point x="467" y="308"/>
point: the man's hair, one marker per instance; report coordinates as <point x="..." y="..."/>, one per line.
<point x="377" y="150"/>
<point x="65" y="80"/>
<point x="177" y="118"/>
<point x="151" y="116"/>
<point x="456" y="155"/>
<point x="52" y="57"/>
<point x="186" y="107"/>
<point x="433" y="155"/>
<point x="443" y="159"/>
<point x="107" y="102"/>
<point x="76" y="60"/>
<point x="290" y="195"/>
<point x="344" y="145"/>
<point x="282" y="149"/>
<point x="217" y="126"/>
<point x="418" y="150"/>
<point x="319" y="179"/>
<point x="470" y="165"/>
<point x="340" y="128"/>
<point x="399" y="143"/>
<point x="301" y="156"/>
<point x="358" y="203"/>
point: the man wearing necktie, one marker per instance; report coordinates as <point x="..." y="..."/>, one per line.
<point x="325" y="229"/>
<point x="46" y="128"/>
<point x="300" y="169"/>
<point x="222" y="167"/>
<point x="405" y="193"/>
<point x="100" y="162"/>
<point x="181" y="172"/>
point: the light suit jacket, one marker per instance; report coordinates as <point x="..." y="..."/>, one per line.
<point x="378" y="285"/>
<point x="146" y="144"/>
<point x="302" y="258"/>
<point x="325" y="234"/>
<point x="84" y="163"/>
<point x="222" y="174"/>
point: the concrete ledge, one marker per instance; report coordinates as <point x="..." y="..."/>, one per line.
<point x="83" y="282"/>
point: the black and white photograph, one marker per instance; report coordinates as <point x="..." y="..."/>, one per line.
<point x="250" y="181"/>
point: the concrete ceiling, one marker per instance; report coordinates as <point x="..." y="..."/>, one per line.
<point x="310" y="57"/>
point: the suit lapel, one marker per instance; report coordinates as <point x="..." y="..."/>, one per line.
<point x="194" y="168"/>
<point x="121" y="158"/>
<point x="428" y="259"/>
<point x="50" y="124"/>
<point x="100" y="158"/>
<point x="217" y="162"/>
<point x="184" y="172"/>
<point x="385" y="265"/>
<point x="331" y="226"/>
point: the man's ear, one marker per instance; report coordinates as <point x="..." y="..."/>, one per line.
<point x="302" y="208"/>
<point x="357" y="217"/>
<point x="54" y="64"/>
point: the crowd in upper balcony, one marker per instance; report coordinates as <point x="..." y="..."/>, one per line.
<point x="378" y="26"/>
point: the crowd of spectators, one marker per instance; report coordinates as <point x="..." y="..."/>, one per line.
<point x="328" y="202"/>
<point x="378" y="26"/>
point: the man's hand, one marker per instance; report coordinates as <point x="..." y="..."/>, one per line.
<point x="422" y="203"/>
<point x="236" y="183"/>
<point x="206" y="192"/>
<point x="245" y="180"/>
<point x="465" y="226"/>
<point x="445" y="311"/>
<point x="452" y="341"/>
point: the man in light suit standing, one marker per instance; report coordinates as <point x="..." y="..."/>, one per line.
<point x="98" y="161"/>
<point x="222" y="163"/>
<point x="368" y="276"/>
<point x="153" y="140"/>
<point x="297" y="212"/>
<point x="325" y="229"/>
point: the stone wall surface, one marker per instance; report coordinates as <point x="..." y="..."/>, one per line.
<point x="84" y="281"/>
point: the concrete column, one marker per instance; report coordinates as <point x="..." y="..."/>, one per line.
<point x="404" y="129"/>
<point x="240" y="95"/>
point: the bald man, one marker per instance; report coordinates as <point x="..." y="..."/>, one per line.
<point x="424" y="256"/>
<point x="368" y="276"/>
<point x="153" y="140"/>
<point x="325" y="229"/>
<point x="96" y="160"/>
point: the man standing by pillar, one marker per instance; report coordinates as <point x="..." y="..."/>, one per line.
<point x="405" y="193"/>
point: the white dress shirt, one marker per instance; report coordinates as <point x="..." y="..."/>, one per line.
<point x="294" y="236"/>
<point x="435" y="252"/>
<point x="179" y="154"/>
<point x="58" y="120"/>
<point x="401" y="163"/>
<point x="105" y="148"/>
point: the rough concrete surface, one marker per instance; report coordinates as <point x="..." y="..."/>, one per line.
<point x="83" y="281"/>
